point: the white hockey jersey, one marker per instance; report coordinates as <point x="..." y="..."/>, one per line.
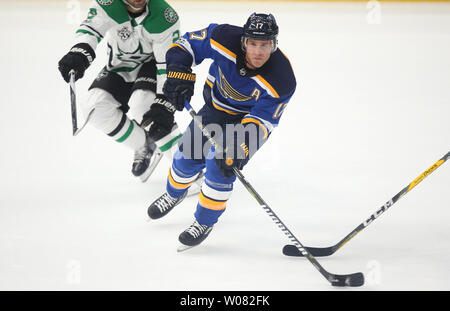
<point x="131" y="41"/>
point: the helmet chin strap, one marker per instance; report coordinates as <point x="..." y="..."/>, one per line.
<point x="133" y="7"/>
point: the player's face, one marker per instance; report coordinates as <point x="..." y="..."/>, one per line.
<point x="257" y="52"/>
<point x="140" y="4"/>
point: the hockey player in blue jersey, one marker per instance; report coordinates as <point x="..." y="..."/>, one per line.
<point x="248" y="86"/>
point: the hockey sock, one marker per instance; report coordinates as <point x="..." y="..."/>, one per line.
<point x="212" y="201"/>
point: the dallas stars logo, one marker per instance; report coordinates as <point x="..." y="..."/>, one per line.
<point x="134" y="58"/>
<point x="170" y="15"/>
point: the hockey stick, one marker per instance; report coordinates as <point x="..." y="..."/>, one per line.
<point x="73" y="102"/>
<point x="291" y="250"/>
<point x="355" y="279"/>
<point x="73" y="106"/>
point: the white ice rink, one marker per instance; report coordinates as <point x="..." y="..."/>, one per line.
<point x="370" y="114"/>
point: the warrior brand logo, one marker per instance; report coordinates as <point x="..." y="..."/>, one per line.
<point x="170" y="15"/>
<point x="181" y="75"/>
<point x="378" y="213"/>
<point x="105" y="2"/>
<point x="124" y="33"/>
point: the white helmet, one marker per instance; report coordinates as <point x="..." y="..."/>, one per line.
<point x="132" y="6"/>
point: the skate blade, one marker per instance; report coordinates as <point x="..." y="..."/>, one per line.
<point x="182" y="248"/>
<point x="156" y="158"/>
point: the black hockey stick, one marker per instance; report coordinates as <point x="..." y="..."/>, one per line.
<point x="355" y="279"/>
<point x="73" y="106"/>
<point x="291" y="250"/>
<point x="73" y="102"/>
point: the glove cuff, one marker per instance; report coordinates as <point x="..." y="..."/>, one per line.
<point x="162" y="100"/>
<point x="86" y="50"/>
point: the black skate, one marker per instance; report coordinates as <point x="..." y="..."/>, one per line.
<point x="142" y="158"/>
<point x="163" y="205"/>
<point x="193" y="235"/>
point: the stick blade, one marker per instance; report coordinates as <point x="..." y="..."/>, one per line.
<point x="350" y="280"/>
<point x="292" y="250"/>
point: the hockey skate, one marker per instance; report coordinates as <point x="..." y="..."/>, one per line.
<point x="145" y="160"/>
<point x="193" y="236"/>
<point x="163" y="205"/>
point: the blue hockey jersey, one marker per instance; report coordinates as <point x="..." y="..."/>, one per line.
<point x="259" y="95"/>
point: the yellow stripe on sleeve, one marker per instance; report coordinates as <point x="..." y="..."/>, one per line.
<point x="272" y="90"/>
<point x="176" y="44"/>
<point x="225" y="110"/>
<point x="252" y="120"/>
<point x="209" y="83"/>
<point x="222" y="48"/>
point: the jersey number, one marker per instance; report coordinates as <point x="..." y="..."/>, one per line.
<point x="175" y="36"/>
<point x="279" y="110"/>
<point x="198" y="37"/>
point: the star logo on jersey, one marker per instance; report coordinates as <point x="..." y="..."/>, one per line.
<point x="124" y="33"/>
<point x="134" y="58"/>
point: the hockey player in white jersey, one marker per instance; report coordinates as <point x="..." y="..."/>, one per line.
<point x="139" y="33"/>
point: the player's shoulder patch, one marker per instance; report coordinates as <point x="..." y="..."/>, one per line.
<point x="115" y="9"/>
<point x="105" y="2"/>
<point x="228" y="36"/>
<point x="279" y="74"/>
<point x="161" y="17"/>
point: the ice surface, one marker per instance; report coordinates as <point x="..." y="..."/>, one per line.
<point x="370" y="114"/>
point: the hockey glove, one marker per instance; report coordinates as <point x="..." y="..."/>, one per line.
<point x="179" y="85"/>
<point x="78" y="59"/>
<point x="240" y="146"/>
<point x="161" y="114"/>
